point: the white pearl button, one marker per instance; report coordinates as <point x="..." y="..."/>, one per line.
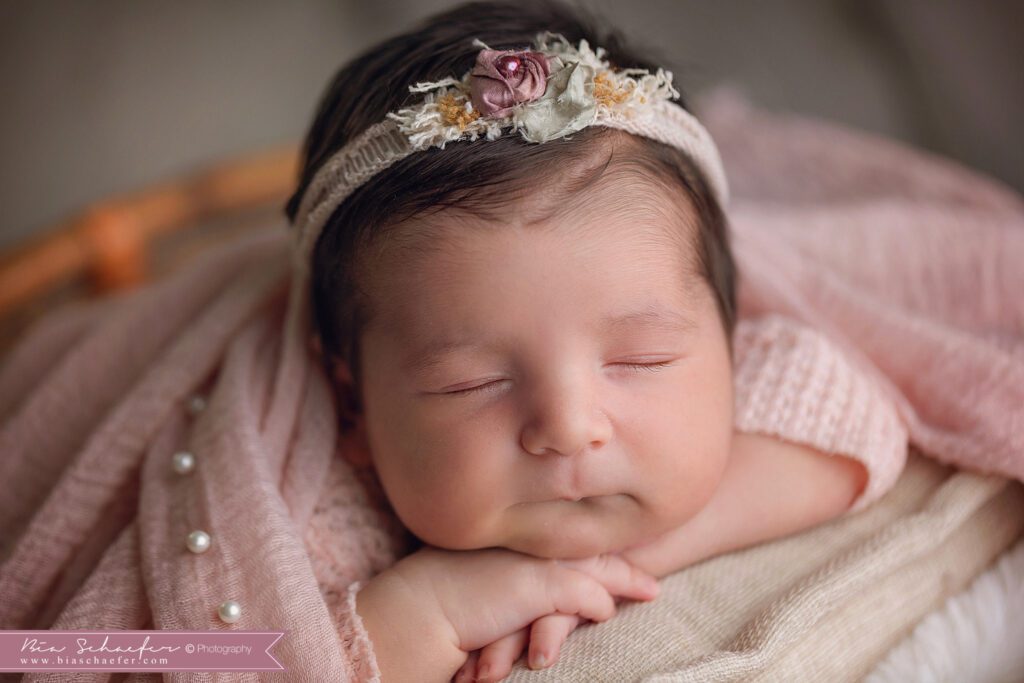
<point x="183" y="462"/>
<point x="196" y="404"/>
<point x="229" y="611"/>
<point x="198" y="541"/>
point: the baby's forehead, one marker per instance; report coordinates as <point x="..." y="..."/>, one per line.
<point x="637" y="267"/>
<point x="649" y="221"/>
<point x="622" y="189"/>
<point x="620" y="203"/>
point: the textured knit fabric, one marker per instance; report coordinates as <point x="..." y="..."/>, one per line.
<point x="905" y="267"/>
<point x="793" y="383"/>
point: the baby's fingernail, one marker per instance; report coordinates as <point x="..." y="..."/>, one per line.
<point x="538" y="660"/>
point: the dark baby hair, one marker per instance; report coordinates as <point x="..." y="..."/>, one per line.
<point x="478" y="177"/>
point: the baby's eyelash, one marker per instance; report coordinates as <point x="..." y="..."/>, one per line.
<point x="634" y="367"/>
<point x="473" y="390"/>
<point x="648" y="367"/>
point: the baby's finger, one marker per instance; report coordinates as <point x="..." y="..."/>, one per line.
<point x="465" y="672"/>
<point x="573" y="592"/>
<point x="496" y="659"/>
<point x="546" y="637"/>
<point x="618" y="576"/>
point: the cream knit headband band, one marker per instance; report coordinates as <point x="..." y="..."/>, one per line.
<point x="546" y="93"/>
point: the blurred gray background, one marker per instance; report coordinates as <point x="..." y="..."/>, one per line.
<point x="108" y="96"/>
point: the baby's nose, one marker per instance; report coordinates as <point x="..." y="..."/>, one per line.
<point x="565" y="437"/>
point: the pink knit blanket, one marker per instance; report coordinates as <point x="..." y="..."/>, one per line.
<point x="914" y="265"/>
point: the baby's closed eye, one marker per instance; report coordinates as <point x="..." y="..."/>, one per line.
<point x="630" y="366"/>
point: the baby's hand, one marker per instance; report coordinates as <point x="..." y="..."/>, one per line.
<point x="544" y="636"/>
<point x="427" y="612"/>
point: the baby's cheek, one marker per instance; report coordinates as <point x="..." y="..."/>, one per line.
<point x="691" y="473"/>
<point x="451" y="507"/>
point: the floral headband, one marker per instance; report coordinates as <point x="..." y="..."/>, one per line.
<point x="546" y="93"/>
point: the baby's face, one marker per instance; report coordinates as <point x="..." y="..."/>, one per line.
<point x="502" y="403"/>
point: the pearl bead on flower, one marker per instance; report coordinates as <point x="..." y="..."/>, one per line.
<point x="229" y="611"/>
<point x="183" y="462"/>
<point x="196" y="404"/>
<point x="508" y="65"/>
<point x="198" y="541"/>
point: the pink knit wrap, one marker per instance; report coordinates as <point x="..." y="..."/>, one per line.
<point x="907" y="263"/>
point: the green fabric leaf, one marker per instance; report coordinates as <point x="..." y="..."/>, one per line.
<point x="564" y="108"/>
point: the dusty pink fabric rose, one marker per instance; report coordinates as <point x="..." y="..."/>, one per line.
<point x="501" y="79"/>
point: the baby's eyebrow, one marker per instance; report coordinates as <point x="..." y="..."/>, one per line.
<point x="431" y="353"/>
<point x="653" y="315"/>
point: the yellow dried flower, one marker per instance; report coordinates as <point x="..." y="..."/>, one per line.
<point x="607" y="92"/>
<point x="457" y="111"/>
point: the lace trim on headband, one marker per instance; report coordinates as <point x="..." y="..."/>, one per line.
<point x="375" y="149"/>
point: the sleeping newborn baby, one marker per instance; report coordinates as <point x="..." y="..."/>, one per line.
<point x="555" y="378"/>
<point x="535" y="348"/>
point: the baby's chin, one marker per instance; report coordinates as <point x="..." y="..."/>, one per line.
<point x="569" y="530"/>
